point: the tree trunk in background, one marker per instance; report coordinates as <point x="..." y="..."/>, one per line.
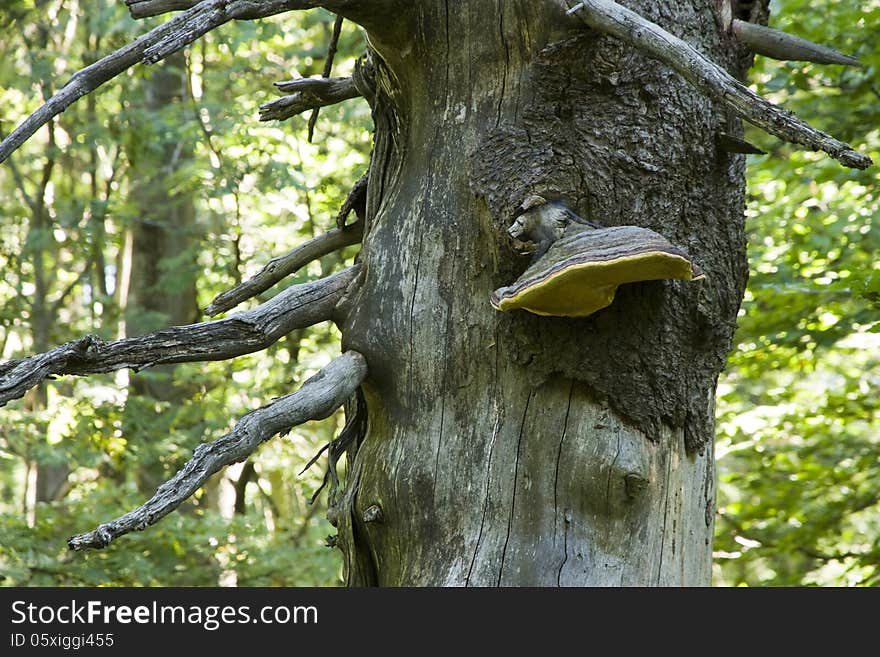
<point x="50" y="477"/>
<point x="164" y="230"/>
<point x="507" y="448"/>
<point x="165" y="227"/>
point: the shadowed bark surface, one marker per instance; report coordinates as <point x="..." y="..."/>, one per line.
<point x="516" y="449"/>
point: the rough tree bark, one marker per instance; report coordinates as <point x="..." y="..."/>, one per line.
<point x="524" y="450"/>
<point x="506" y="448"/>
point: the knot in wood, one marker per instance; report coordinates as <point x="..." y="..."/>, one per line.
<point x="373" y="513"/>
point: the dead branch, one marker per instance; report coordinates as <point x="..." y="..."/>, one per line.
<point x="159" y="42"/>
<point x="210" y="14"/>
<point x="285" y="265"/>
<point x="316" y="399"/>
<point x="309" y="93"/>
<point x="242" y="333"/>
<point x="147" y="8"/>
<point x="631" y="28"/>
<point x="781" y="45"/>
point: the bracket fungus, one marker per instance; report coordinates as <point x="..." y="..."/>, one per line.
<point x="580" y="271"/>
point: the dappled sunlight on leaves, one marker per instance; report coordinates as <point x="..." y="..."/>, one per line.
<point x="798" y="442"/>
<point x="259" y="190"/>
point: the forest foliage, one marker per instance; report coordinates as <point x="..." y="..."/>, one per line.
<point x="798" y="433"/>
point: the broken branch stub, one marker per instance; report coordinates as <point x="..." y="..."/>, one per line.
<point x="631" y="28"/>
<point x="317" y="399"/>
<point x="308" y="93"/>
<point x="777" y="44"/>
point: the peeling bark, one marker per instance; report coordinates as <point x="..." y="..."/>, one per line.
<point x="308" y="94"/>
<point x="285" y="265"/>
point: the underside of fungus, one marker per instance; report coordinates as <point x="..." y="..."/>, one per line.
<point x="579" y="274"/>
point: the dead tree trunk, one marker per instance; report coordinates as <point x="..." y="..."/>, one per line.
<point x="499" y="448"/>
<point x="512" y="449"/>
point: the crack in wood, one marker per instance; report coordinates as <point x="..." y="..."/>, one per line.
<point x="665" y="514"/>
<point x="495" y="431"/>
<point x="559" y="459"/>
<point x="522" y="428"/>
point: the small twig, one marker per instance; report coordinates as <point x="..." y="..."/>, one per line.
<point x="285" y="265"/>
<point x="328" y="68"/>
<point x="355" y="428"/>
<point x="733" y="144"/>
<point x="635" y="30"/>
<point x="317" y="399"/>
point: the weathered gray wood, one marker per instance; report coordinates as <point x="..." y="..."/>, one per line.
<point x="148" y="8"/>
<point x="316" y="399"/>
<point x="612" y="510"/>
<point x="242" y="333"/>
<point x="781" y="45"/>
<point x="284" y="265"/>
<point x="210" y="14"/>
<point x="308" y="93"/>
<point x="511" y="449"/>
<point x="703" y="73"/>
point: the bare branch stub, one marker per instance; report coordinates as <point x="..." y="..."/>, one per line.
<point x="246" y="332"/>
<point x="309" y="93"/>
<point x="328" y="68"/>
<point x="781" y="45"/>
<point x="318" y="398"/>
<point x="635" y="30"/>
<point x="147" y="8"/>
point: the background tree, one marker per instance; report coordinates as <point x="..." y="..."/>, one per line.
<point x="432" y="496"/>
